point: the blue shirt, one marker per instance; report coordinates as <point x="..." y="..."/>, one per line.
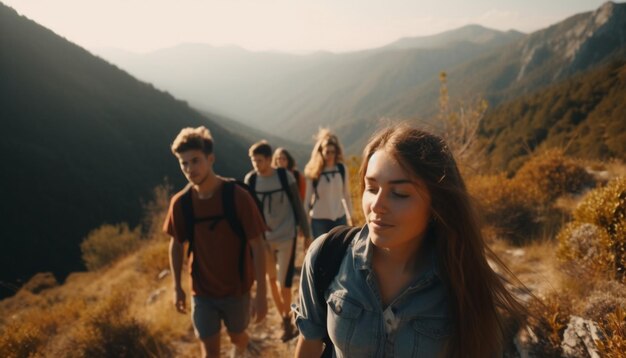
<point x="416" y="324"/>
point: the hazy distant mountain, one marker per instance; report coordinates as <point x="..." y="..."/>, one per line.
<point x="546" y="56"/>
<point x="223" y="79"/>
<point x="296" y="94"/>
<point x="470" y="33"/>
<point x="82" y="143"/>
<point x="352" y="91"/>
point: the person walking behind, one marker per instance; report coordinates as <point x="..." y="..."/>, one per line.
<point x="328" y="192"/>
<point x="415" y="281"/>
<point x="283" y="159"/>
<point x="282" y="208"/>
<point x="223" y="228"/>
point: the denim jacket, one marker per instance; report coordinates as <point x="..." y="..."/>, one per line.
<point x="416" y="324"/>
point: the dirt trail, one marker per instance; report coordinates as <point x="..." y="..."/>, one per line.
<point x="533" y="265"/>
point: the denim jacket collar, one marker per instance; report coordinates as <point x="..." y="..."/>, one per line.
<point x="363" y="249"/>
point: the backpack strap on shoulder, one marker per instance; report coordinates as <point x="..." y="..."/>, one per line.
<point x="342" y="172"/>
<point x="331" y="255"/>
<point x="327" y="265"/>
<point x="284" y="183"/>
<point x="188" y="214"/>
<point x="230" y="212"/>
<point x="252" y="175"/>
<point x="296" y="175"/>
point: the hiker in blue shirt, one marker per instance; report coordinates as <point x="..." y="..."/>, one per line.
<point x="414" y="281"/>
<point x="327" y="195"/>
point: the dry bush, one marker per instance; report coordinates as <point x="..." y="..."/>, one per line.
<point x="584" y="249"/>
<point x="353" y="166"/>
<point x="504" y="206"/>
<point x="107" y="243"/>
<point x="606" y="208"/>
<point x="29" y="332"/>
<point x="40" y="282"/>
<point x="27" y="336"/>
<point x="153" y="257"/>
<point x="614" y="331"/>
<point x="606" y="298"/>
<point x="109" y="330"/>
<point x="548" y="320"/>
<point x="155" y="211"/>
<point x="550" y="174"/>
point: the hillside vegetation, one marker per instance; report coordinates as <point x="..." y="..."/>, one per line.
<point x="83" y="143"/>
<point x="123" y="307"/>
<point x="586" y="115"/>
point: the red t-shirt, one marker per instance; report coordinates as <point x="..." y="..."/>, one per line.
<point x="216" y="250"/>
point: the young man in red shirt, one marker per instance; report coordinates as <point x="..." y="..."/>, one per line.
<point x="221" y="265"/>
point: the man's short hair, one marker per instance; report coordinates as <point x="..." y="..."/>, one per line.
<point x="261" y="147"/>
<point x="193" y="139"/>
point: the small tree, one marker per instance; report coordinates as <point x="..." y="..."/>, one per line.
<point x="460" y="125"/>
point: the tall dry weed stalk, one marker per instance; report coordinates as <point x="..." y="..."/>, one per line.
<point x="461" y="124"/>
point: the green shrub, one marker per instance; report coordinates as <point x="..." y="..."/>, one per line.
<point x="107" y="243"/>
<point x="550" y="174"/>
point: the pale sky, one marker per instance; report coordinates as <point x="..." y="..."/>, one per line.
<point x="281" y="25"/>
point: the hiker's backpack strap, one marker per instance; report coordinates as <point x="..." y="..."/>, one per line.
<point x="251" y="180"/>
<point x="188" y="214"/>
<point x="316" y="195"/>
<point x="296" y="175"/>
<point x="250" y="186"/>
<point x="332" y="251"/>
<point x="284" y="183"/>
<point x="230" y="212"/>
<point x="342" y="172"/>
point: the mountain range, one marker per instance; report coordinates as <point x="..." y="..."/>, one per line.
<point x="351" y="92"/>
<point x="83" y="143"/>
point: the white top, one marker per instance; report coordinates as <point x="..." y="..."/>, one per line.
<point x="334" y="196"/>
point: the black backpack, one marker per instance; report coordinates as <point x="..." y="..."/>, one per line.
<point x="229" y="213"/>
<point x="284" y="183"/>
<point x="326" y="267"/>
<point x="296" y="175"/>
<point x="341" y="169"/>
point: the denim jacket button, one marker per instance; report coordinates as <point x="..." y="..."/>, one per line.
<point x="338" y="309"/>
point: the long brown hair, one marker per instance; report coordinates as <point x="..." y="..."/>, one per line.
<point x="291" y="163"/>
<point x="324" y="138"/>
<point x="479" y="297"/>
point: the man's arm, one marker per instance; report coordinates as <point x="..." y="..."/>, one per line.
<point x="302" y="219"/>
<point x="308" y="196"/>
<point x="308" y="348"/>
<point x="177" y="251"/>
<point x="259" y="305"/>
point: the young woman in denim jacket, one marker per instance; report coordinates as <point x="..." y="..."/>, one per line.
<point x="415" y="282"/>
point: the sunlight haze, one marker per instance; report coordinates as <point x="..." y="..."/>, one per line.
<point x="281" y="25"/>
